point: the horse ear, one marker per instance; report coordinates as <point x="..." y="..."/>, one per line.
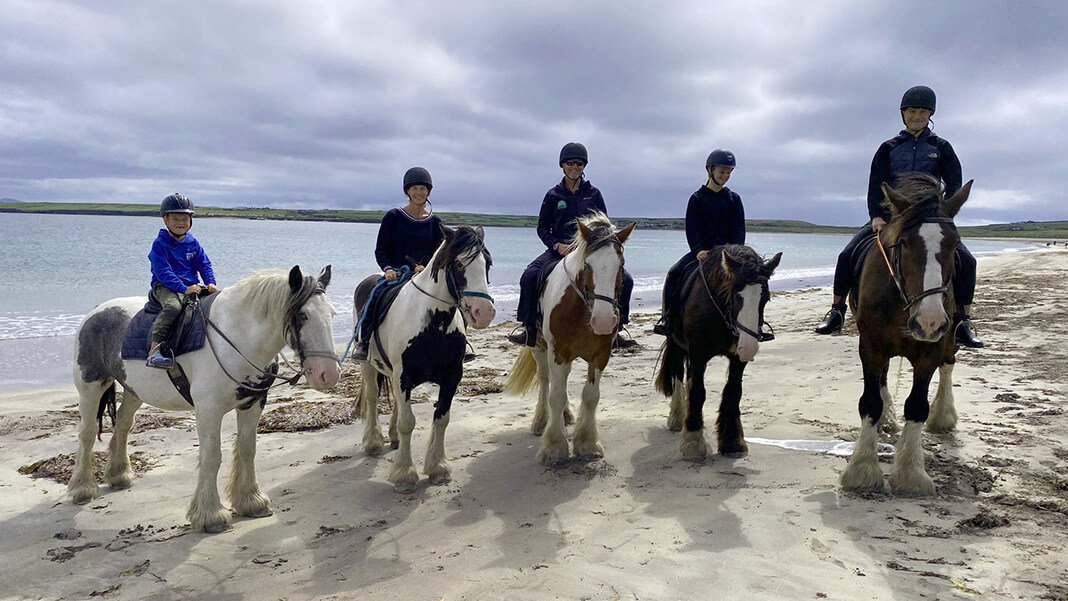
<point x="896" y="202"/>
<point x="296" y="278"/>
<point x="953" y="205"/>
<point x="585" y="231"/>
<point x="625" y="233"/>
<point x="324" y="277"/>
<point x="481" y="232"/>
<point x="447" y="231"/>
<point x="770" y="266"/>
<point x="729" y="263"/>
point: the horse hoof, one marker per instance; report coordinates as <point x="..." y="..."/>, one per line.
<point x="866" y="479"/>
<point x="82" y="497"/>
<point x="121" y="482"/>
<point x="404" y="488"/>
<point x="912" y="485"/>
<point x="216" y="528"/>
<point x="734" y="454"/>
<point x="439" y="479"/>
<point x="263" y="512"/>
<point x="553" y="456"/>
<point x="537" y="429"/>
<point x="674" y="424"/>
<point x="589" y="451"/>
<point x="372" y="450"/>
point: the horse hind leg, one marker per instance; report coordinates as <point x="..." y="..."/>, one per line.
<point x="541" y="409"/>
<point x="82" y="486"/>
<point x="118" y="473"/>
<point x="692" y="443"/>
<point x="243" y="490"/>
<point x="369" y="391"/>
<point x="403" y="474"/>
<point x="206" y="511"/>
<point x="677" y="414"/>
<point x="888" y="419"/>
<point x="943" y="417"/>
<point x="586" y="441"/>
<point x="435" y="466"/>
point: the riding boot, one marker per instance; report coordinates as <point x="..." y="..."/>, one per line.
<point x="360" y="352"/>
<point x="832" y="321"/>
<point x="965" y="334"/>
<point x="620" y="342"/>
<point x="766" y="332"/>
<point x="519" y="336"/>
<point x="662" y="327"/>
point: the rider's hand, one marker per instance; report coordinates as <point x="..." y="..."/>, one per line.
<point x="878" y="223"/>
<point x="194" y="289"/>
<point x="390" y="275"/>
<point x="419" y="268"/>
<point x="702" y="255"/>
<point x="564" y="249"/>
<point x="212" y="288"/>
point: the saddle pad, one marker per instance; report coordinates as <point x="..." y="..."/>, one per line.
<point x="188" y="333"/>
<point x="382" y="298"/>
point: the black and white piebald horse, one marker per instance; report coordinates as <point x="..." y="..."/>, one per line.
<point x="422" y="338"/>
<point x="253" y="320"/>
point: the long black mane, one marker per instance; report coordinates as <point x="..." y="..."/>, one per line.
<point x="462" y="241"/>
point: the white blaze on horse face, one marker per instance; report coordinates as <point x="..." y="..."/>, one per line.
<point x="481" y="309"/>
<point x="605" y="265"/>
<point x="316" y="335"/>
<point x="930" y="314"/>
<point x="749" y="317"/>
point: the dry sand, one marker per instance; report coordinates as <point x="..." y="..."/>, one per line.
<point x="639" y="524"/>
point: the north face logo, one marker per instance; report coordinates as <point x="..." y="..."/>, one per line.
<point x="933" y="155"/>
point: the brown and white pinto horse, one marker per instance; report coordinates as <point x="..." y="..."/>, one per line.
<point x="903" y="307"/>
<point x="580" y="305"/>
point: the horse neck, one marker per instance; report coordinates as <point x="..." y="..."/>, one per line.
<point x="439" y="288"/>
<point x="259" y="339"/>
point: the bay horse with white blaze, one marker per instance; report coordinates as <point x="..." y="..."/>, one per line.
<point x="721" y="313"/>
<point x="251" y="322"/>
<point x="580" y="305"/>
<point x="422" y="339"/>
<point x="903" y="306"/>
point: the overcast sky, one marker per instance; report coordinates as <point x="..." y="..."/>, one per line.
<point x="326" y="104"/>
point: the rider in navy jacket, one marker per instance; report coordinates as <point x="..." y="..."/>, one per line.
<point x="915" y="149"/>
<point x="557" y="226"/>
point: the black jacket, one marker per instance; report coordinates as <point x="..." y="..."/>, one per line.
<point x="904" y="153"/>
<point x="714" y="218"/>
<point x="561" y="208"/>
<point x="400" y="236"/>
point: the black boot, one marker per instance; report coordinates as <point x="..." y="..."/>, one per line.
<point x="965" y="334"/>
<point x="621" y="342"/>
<point x="518" y="336"/>
<point x="832" y="321"/>
<point x="360" y="352"/>
<point x="767" y="333"/>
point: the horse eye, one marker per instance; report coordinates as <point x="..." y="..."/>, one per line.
<point x="303" y="316"/>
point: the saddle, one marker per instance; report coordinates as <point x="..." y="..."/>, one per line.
<point x="856" y="260"/>
<point x="690" y="273"/>
<point x="188" y="334"/>
<point x="543" y="278"/>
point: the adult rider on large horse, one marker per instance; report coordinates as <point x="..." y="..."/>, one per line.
<point x="563" y="205"/>
<point x="915" y="149"/>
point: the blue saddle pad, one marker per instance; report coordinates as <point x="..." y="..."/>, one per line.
<point x="187" y="335"/>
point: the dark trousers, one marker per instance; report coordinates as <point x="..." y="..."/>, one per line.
<point x="172" y="303"/>
<point x="527" y="313"/>
<point x="672" y="283"/>
<point x="963" y="277"/>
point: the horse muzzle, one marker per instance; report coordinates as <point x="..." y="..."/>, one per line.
<point x="604" y="323"/>
<point x="323" y="373"/>
<point x="929" y="325"/>
<point x="482" y="312"/>
<point x="747" y="347"/>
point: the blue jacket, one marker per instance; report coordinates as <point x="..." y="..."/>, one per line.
<point x="905" y="153"/>
<point x="714" y="218"/>
<point x="561" y="208"/>
<point x="401" y="236"/>
<point x="176" y="264"/>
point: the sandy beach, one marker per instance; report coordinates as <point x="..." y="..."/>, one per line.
<point x="638" y="524"/>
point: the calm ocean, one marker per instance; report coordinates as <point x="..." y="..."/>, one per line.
<point x="55" y="268"/>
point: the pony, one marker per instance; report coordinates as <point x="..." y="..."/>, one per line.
<point x="580" y="305"/>
<point x="422" y="339"/>
<point x="903" y="305"/>
<point x="250" y="323"/>
<point x="722" y="309"/>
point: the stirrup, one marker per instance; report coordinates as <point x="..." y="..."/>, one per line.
<point x="159" y="361"/>
<point x="766" y="335"/>
<point x="621" y="342"/>
<point x="518" y="335"/>
<point x="832" y="322"/>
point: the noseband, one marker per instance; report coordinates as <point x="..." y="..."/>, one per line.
<point x="590" y="296"/>
<point x="893" y="264"/>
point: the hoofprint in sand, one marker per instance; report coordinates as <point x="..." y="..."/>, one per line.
<point x="638" y="524"/>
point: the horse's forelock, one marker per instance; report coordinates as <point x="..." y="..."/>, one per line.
<point x="924" y="195"/>
<point x="464" y="239"/>
<point x="601" y="230"/>
<point x="747" y="267"/>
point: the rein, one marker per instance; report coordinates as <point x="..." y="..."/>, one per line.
<point x="732" y="324"/>
<point x="895" y="274"/>
<point x="457" y="293"/>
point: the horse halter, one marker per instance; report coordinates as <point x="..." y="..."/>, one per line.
<point x="590" y="297"/>
<point x="731" y="323"/>
<point x="458" y="294"/>
<point x="893" y="265"/>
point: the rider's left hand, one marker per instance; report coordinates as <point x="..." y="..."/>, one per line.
<point x="212" y="288"/>
<point x="419" y="268"/>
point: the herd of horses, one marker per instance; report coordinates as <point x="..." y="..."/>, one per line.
<point x="902" y="306"/>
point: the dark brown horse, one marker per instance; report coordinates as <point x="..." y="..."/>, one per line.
<point x="721" y="315"/>
<point x="903" y="306"/>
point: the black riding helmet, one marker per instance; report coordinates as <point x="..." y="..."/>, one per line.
<point x="920" y="97"/>
<point x="175" y="203"/>
<point x="417" y="176"/>
<point x="573" y="150"/>
<point x="720" y="158"/>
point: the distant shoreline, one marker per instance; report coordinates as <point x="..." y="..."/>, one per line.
<point x="1035" y="230"/>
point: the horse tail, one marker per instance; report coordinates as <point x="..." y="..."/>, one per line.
<point x="521" y="379"/>
<point x="107" y="406"/>
<point x="672" y="367"/>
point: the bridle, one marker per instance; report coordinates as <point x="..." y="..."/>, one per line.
<point x="458" y="294"/>
<point x="590" y="296"/>
<point x="731" y="323"/>
<point x="893" y="264"/>
<point x="294" y="341"/>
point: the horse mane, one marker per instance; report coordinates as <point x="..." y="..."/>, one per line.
<point x="601" y="230"/>
<point x="266" y="293"/>
<point x="748" y="267"/>
<point x="924" y="193"/>
<point x="464" y="239"/>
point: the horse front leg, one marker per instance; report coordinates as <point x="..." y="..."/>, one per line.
<point x="435" y="466"/>
<point x="206" y="511"/>
<point x="585" y="440"/>
<point x="118" y="473"/>
<point x="729" y="423"/>
<point x="692" y="441"/>
<point x="863" y="473"/>
<point x="403" y="475"/>
<point x="369" y="391"/>
<point x="907" y="474"/>
<point x="82" y="486"/>
<point x="243" y="489"/>
<point x="943" y="417"/>
<point x="554" y="441"/>
<point x="541" y="410"/>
